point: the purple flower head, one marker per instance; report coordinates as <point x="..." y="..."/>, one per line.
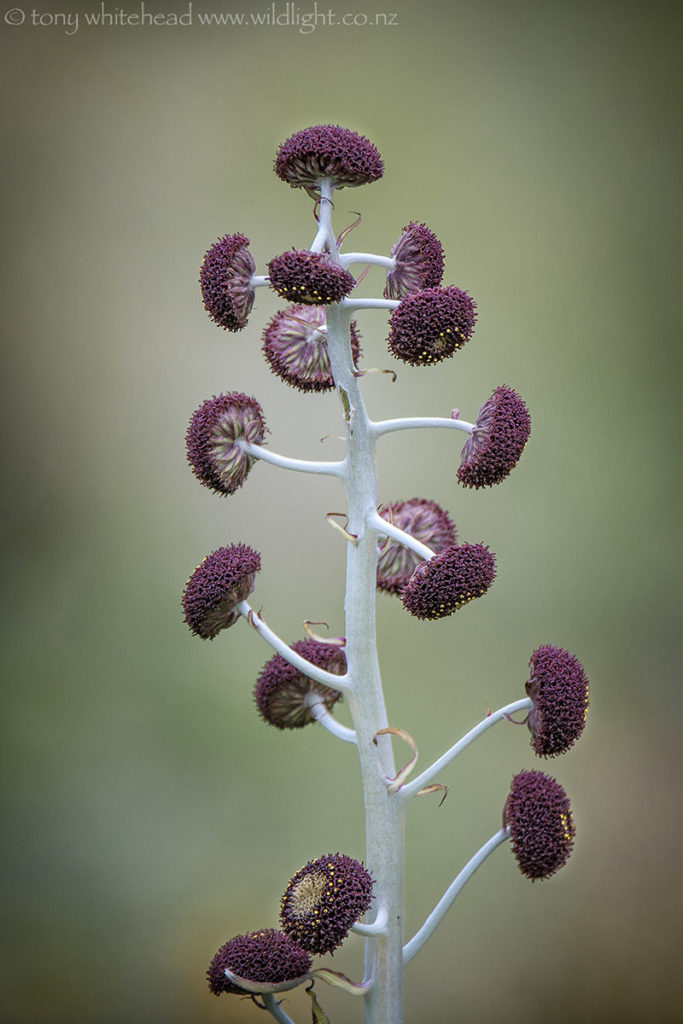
<point x="267" y="956"/>
<point x="225" y="279"/>
<point x="217" y="585"/>
<point x="281" y="690"/>
<point x="559" y="689"/>
<point x="446" y="582"/>
<point x="212" y="450"/>
<point x="295" y="345"/>
<point x="327" y="151"/>
<point x="419" y="262"/>
<point x="538" y="815"/>
<point x="430" y="325"/>
<point x="324" y="900"/>
<point x="493" y="449"/>
<point x="422" y="519"/>
<point x="310" y="277"/>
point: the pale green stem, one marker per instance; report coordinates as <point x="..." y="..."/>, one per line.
<point x="382" y="527"/>
<point x="438" y="913"/>
<point x="324" y="717"/>
<point x="335" y="682"/>
<point x="413" y="787"/>
<point x="415" y="422"/>
<point x="347" y="258"/>
<point x="284" y="462"/>
<point x="275" y="1009"/>
<point x="353" y="304"/>
<point x="384" y="813"/>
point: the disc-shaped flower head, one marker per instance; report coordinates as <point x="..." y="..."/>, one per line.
<point x="295" y="345"/>
<point x="268" y="956"/>
<point x="225" y="279"/>
<point x="541" y="827"/>
<point x="431" y="324"/>
<point x="327" y="151"/>
<point x="418" y="256"/>
<point x="217" y="585"/>
<point x="212" y="440"/>
<point x="309" y="277"/>
<point x="281" y="690"/>
<point x="323" y="900"/>
<point x="446" y="582"/>
<point x="559" y="689"/>
<point x="425" y="521"/>
<point x="494" y="447"/>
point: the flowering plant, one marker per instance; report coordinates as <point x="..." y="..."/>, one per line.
<point x="408" y="548"/>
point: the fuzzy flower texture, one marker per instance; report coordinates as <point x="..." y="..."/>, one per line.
<point x="323" y="900"/>
<point x="282" y="692"/>
<point x="539" y="818"/>
<point x="217" y="586"/>
<point x="559" y="690"/>
<point x="266" y="957"/>
<point x="212" y="440"/>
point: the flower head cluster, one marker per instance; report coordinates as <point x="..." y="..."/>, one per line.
<point x="425" y="521"/>
<point x="559" y="690"/>
<point x="212" y="449"/>
<point x="449" y="580"/>
<point x="431" y="324"/>
<point x="418" y="256"/>
<point x="539" y="818"/>
<point x="225" y="279"/>
<point x="217" y="586"/>
<point x="295" y="345"/>
<point x="327" y="151"/>
<point x="323" y="900"/>
<point x="310" y="277"/>
<point x="281" y="690"/>
<point x="268" y="956"/>
<point x="493" y="449"/>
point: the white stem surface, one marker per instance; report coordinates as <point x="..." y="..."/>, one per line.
<point x="386" y="529"/>
<point x="438" y="913"/>
<point x="330" y="679"/>
<point x="348" y="258"/>
<point x="412" y="788"/>
<point x="323" y="715"/>
<point x="272" y="1005"/>
<point x="284" y="462"/>
<point x="416" y="422"/>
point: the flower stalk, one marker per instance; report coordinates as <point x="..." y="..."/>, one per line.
<point x="407" y="548"/>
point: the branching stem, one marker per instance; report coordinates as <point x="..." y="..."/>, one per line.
<point x="386" y="529"/>
<point x="438" y="913"/>
<point x="415" y="422"/>
<point x="430" y="773"/>
<point x="284" y="462"/>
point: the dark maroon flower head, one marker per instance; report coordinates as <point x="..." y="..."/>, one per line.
<point x="310" y="277"/>
<point x="225" y="279"/>
<point x="324" y="900"/>
<point x="295" y="345"/>
<point x="430" y="325"/>
<point x="268" y="956"/>
<point x="538" y="815"/>
<point x="212" y="451"/>
<point x="446" y="582"/>
<point x="559" y="689"/>
<point x="217" y="585"/>
<point x="419" y="262"/>
<point x="327" y="151"/>
<point x="493" y="449"/>
<point x="281" y="690"/>
<point x="422" y="519"/>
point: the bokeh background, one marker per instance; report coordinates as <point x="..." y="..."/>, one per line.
<point x="149" y="814"/>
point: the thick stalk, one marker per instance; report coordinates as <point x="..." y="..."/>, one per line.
<point x="384" y="812"/>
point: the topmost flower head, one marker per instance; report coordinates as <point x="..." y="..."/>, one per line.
<point x="328" y="151"/>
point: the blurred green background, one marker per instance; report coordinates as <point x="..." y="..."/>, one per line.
<point x="149" y="814"/>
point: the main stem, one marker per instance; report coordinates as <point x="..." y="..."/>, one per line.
<point x="384" y="812"/>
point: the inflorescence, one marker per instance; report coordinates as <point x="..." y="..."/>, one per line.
<point x="323" y="900"/>
<point x="429" y="322"/>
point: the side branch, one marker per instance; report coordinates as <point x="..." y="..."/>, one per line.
<point x="414" y="422"/>
<point x="438" y="913"/>
<point x="300" y="465"/>
<point x="347" y="258"/>
<point x="430" y="773"/>
<point x="353" y="304"/>
<point x="320" y="712"/>
<point x="381" y="527"/>
<point x="335" y="682"/>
